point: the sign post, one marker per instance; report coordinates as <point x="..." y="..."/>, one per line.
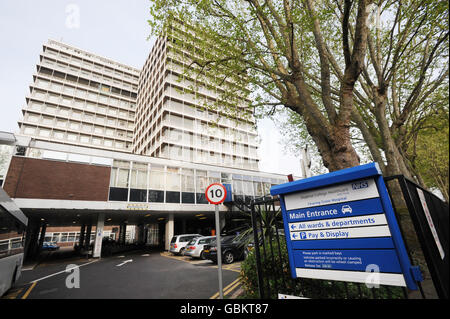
<point x="341" y="226"/>
<point x="216" y="194"/>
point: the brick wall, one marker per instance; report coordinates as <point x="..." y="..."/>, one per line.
<point x="45" y="179"/>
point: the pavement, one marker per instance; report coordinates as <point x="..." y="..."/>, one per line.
<point x="131" y="275"/>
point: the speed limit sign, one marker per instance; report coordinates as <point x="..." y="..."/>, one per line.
<point x="216" y="193"/>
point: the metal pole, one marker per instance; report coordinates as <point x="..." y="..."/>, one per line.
<point x="219" y="252"/>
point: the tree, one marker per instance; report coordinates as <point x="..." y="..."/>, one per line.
<point x="326" y="63"/>
<point x="405" y="79"/>
<point x="270" y="48"/>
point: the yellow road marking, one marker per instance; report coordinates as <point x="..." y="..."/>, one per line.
<point x="227" y="289"/>
<point x="226" y="292"/>
<point x="25" y="296"/>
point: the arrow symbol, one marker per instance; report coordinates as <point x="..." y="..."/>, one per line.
<point x="294" y="235"/>
<point x="126" y="261"/>
<point x="293" y="226"/>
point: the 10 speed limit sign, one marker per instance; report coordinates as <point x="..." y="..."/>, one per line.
<point x="216" y="193"/>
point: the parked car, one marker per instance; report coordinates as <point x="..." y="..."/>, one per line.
<point x="233" y="248"/>
<point x="195" y="248"/>
<point x="179" y="242"/>
<point x="49" y="246"/>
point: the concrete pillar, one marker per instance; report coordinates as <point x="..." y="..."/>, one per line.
<point x="82" y="236"/>
<point x="42" y="236"/>
<point x="169" y="231"/>
<point x="99" y="236"/>
<point x="31" y="238"/>
<point x="140" y="234"/>
<point x="87" y="239"/>
<point x="122" y="233"/>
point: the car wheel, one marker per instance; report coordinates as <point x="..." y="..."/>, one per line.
<point x="202" y="255"/>
<point x="182" y="252"/>
<point x="228" y="257"/>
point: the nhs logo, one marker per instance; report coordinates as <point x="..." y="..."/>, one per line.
<point x="360" y="185"/>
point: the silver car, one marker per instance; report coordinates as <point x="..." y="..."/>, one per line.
<point x="179" y="242"/>
<point x="195" y="247"/>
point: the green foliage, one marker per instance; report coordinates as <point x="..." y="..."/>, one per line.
<point x="275" y="267"/>
<point x="431" y="151"/>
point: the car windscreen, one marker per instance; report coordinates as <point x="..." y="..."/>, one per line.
<point x="192" y="242"/>
<point x="184" y="239"/>
<point x="174" y="239"/>
<point x="205" y="241"/>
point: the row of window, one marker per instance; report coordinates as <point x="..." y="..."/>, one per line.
<point x="109" y="65"/>
<point x="74" y="137"/>
<point x="76" y="126"/>
<point x="84" y="67"/>
<point x="218" y="143"/>
<point x="73" y="237"/>
<point x="186" y="153"/>
<point x="83" y="94"/>
<point x="80" y="115"/>
<point x="142" y="182"/>
<point x="81" y="104"/>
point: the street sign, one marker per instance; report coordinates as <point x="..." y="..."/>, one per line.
<point x="341" y="226"/>
<point x="216" y="193"/>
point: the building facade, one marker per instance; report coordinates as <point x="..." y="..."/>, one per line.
<point x="176" y="121"/>
<point x="102" y="144"/>
<point x="79" y="98"/>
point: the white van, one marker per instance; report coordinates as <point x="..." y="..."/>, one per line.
<point x="179" y="242"/>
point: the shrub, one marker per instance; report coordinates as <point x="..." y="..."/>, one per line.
<point x="277" y="278"/>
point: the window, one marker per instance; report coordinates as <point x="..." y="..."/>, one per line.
<point x="123" y="176"/>
<point x="201" y="182"/>
<point x="63" y="237"/>
<point x="187" y="186"/>
<point x="72" y="137"/>
<point x="33" y="118"/>
<point x="50" y="109"/>
<point x="44" y="132"/>
<point x="87" y="128"/>
<point x="47" y="120"/>
<point x="108" y="143"/>
<point x="84" y="139"/>
<point x="58" y="135"/>
<point x="173" y="179"/>
<point x="64" y="111"/>
<point x="71" y="237"/>
<point x="61" y="123"/>
<point x="29" y="130"/>
<point x="157" y="177"/>
<point x="74" y="126"/>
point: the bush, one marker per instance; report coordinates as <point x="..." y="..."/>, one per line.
<point x="277" y="277"/>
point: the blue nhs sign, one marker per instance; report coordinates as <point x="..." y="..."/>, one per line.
<point x="341" y="226"/>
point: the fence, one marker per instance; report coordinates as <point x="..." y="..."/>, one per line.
<point x="272" y="263"/>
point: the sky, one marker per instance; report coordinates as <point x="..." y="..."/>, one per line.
<point x="115" y="29"/>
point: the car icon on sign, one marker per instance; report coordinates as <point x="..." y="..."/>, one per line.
<point x="346" y="209"/>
